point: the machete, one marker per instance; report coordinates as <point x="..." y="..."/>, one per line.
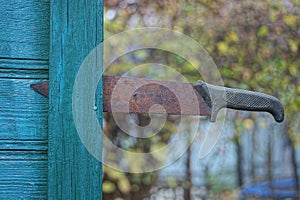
<point x="210" y="98"/>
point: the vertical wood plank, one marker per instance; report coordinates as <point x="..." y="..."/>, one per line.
<point x="76" y="28"/>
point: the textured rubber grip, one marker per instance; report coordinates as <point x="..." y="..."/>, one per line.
<point x="219" y="97"/>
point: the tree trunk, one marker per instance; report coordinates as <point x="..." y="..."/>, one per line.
<point x="294" y="159"/>
<point x="187" y="189"/>
<point x="295" y="166"/>
<point x="269" y="163"/>
<point x="253" y="152"/>
<point x="239" y="162"/>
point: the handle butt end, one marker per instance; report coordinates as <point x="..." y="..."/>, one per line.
<point x="277" y="111"/>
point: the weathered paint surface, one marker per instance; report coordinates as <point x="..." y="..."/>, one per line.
<point x="76" y="28"/>
<point x="23" y="174"/>
<point x="24" y="29"/>
<point x="23" y="113"/>
<point x="35" y="163"/>
<point x="24" y="49"/>
<point x="23" y="140"/>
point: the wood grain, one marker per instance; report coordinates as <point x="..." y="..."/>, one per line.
<point x="23" y="174"/>
<point x="76" y="28"/>
<point x="24" y="145"/>
<point x="24" y="26"/>
<point x="23" y="112"/>
<point x="24" y="74"/>
<point x="24" y="53"/>
<point x="23" y="138"/>
<point x="23" y="64"/>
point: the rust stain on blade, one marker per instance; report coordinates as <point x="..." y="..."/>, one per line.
<point x="140" y="95"/>
<point x="150" y="92"/>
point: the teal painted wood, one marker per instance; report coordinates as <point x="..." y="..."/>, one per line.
<point x="24" y="145"/>
<point x="24" y="26"/>
<point x="23" y="138"/>
<point x="23" y="113"/>
<point x="24" y="53"/>
<point x="21" y="74"/>
<point x="23" y="174"/>
<point x="76" y="28"/>
<point x="10" y="63"/>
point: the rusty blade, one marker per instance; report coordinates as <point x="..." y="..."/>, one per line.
<point x="41" y="87"/>
<point x="141" y="94"/>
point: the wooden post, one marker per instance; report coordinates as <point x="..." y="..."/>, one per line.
<point x="76" y="28"/>
<point x="24" y="50"/>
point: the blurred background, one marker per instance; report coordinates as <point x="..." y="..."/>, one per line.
<point x="256" y="46"/>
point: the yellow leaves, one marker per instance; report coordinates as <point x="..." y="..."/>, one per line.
<point x="222" y="48"/>
<point x="124" y="185"/>
<point x="273" y="17"/>
<point x="171" y="181"/>
<point x="118" y="198"/>
<point x="290" y="20"/>
<point x="112" y="173"/>
<point x="122" y="181"/>
<point x="263" y="31"/>
<point x="248" y="123"/>
<point x="297" y="2"/>
<point x="298" y="89"/>
<point x="286" y="80"/>
<point x="232" y="37"/>
<point x="211" y="4"/>
<point x="262" y="123"/>
<point x="108" y="187"/>
<point x="293" y="70"/>
<point x="225" y="47"/>
<point x="159" y="155"/>
<point x="135" y="162"/>
<point x="293" y="45"/>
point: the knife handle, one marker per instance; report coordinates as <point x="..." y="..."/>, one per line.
<point x="239" y="99"/>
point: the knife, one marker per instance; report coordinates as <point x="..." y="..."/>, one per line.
<point x="210" y="98"/>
